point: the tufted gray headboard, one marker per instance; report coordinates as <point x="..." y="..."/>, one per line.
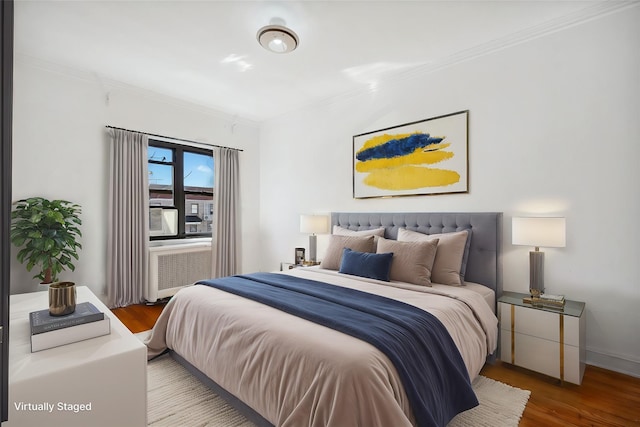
<point x="483" y="264"/>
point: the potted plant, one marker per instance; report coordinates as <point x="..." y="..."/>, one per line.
<point x="48" y="232"/>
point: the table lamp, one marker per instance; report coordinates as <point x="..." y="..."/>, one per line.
<point x="312" y="224"/>
<point x="538" y="232"/>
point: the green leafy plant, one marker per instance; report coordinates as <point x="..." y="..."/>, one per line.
<point x="48" y="232"/>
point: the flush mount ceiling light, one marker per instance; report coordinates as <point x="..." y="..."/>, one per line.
<point x="277" y="38"/>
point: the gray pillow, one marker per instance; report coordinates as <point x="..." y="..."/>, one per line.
<point x="451" y="248"/>
<point x="333" y="256"/>
<point x="412" y="261"/>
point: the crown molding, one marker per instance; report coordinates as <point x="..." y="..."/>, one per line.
<point x="595" y="11"/>
<point x="579" y="17"/>
<point x="109" y="85"/>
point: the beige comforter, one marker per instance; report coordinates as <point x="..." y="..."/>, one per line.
<point x="297" y="373"/>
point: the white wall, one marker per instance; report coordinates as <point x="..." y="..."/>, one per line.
<point x="554" y="129"/>
<point x="60" y="150"/>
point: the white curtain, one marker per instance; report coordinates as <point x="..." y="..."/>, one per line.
<point x="128" y="218"/>
<point x="225" y="242"/>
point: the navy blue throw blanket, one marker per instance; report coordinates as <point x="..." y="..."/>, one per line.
<point x="430" y="367"/>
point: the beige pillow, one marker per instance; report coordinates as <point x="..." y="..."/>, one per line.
<point x="333" y="256"/>
<point x="376" y="232"/>
<point x="341" y="231"/>
<point x="412" y="261"/>
<point x="448" y="262"/>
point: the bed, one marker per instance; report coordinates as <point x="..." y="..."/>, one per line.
<point x="262" y="342"/>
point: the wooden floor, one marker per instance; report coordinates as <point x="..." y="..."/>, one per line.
<point x="138" y="317"/>
<point x="605" y="398"/>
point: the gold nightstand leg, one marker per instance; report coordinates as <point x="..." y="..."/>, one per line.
<point x="561" y="349"/>
<point x="513" y="334"/>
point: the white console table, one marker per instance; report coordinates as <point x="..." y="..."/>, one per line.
<point x="107" y="374"/>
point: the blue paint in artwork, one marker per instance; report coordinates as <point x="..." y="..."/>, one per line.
<point x="398" y="147"/>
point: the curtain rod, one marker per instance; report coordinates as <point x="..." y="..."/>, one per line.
<point x="176" y="139"/>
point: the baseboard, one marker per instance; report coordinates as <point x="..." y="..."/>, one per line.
<point x="613" y="363"/>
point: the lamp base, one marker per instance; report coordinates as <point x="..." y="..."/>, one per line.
<point x="536" y="273"/>
<point x="312" y="247"/>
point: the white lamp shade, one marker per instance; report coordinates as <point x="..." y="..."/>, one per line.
<point x="539" y="232"/>
<point x="312" y="224"/>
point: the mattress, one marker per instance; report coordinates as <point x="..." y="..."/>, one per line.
<point x="487" y="293"/>
<point x="294" y="372"/>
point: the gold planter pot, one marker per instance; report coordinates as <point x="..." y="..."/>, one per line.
<point x="62" y="298"/>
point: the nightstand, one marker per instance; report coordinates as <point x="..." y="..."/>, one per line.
<point x="546" y="340"/>
<point x="284" y="266"/>
<point x="289" y="265"/>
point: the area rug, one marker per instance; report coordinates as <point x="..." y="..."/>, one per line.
<point x="177" y="398"/>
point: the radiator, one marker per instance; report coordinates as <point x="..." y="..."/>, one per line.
<point x="173" y="267"/>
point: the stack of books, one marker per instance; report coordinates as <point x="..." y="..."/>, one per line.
<point x="49" y="331"/>
<point x="546" y="300"/>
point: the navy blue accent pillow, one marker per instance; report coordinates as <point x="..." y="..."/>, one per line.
<point x="365" y="264"/>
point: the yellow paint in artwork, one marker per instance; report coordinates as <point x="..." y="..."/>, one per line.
<point x="420" y="156"/>
<point x="381" y="139"/>
<point x="410" y="178"/>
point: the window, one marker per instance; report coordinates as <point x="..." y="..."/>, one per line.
<point x="180" y="181"/>
<point x="160" y="176"/>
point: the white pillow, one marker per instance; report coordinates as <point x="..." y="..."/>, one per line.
<point x="451" y="249"/>
<point x="341" y="231"/>
<point x="375" y="232"/>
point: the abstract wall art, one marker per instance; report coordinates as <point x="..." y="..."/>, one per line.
<point x="424" y="157"/>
